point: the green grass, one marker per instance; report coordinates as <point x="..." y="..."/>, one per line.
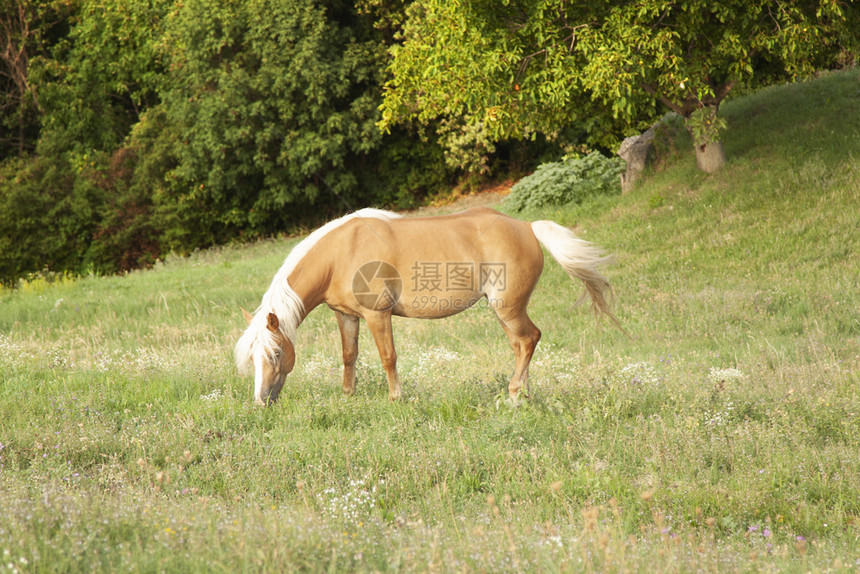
<point x="724" y="434"/>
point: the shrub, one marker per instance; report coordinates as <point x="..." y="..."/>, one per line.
<point x="567" y="181"/>
<point x="127" y="236"/>
<point x="47" y="219"/>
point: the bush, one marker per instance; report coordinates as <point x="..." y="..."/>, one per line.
<point x="567" y="181"/>
<point x="127" y="236"/>
<point x="407" y="168"/>
<point x="48" y="217"/>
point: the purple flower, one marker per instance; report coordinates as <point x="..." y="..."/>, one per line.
<point x="799" y="538"/>
<point x="766" y="533"/>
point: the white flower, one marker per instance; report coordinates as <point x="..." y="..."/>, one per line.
<point x="724" y="375"/>
<point x="642" y="373"/>
<point x="213" y="396"/>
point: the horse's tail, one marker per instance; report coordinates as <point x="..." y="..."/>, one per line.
<point x="581" y="260"/>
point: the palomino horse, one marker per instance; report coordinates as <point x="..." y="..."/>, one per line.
<point x="372" y="264"/>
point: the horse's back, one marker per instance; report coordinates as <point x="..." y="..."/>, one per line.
<point x="478" y="232"/>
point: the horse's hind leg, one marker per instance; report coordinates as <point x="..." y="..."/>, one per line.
<point x="349" y="340"/>
<point x="524" y="337"/>
<point x="379" y="324"/>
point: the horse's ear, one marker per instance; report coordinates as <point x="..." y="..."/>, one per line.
<point x="246" y="315"/>
<point x="272" y="322"/>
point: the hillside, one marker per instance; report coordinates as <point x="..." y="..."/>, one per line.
<point x="723" y="434"/>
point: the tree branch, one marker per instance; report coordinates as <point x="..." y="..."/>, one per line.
<point x="719" y="94"/>
<point x="681" y="110"/>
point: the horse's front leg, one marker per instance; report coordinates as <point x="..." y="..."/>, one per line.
<point x="349" y="340"/>
<point x="379" y="324"/>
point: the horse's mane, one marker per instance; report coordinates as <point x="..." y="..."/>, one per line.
<point x="285" y="303"/>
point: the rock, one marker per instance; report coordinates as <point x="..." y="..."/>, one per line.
<point x="635" y="151"/>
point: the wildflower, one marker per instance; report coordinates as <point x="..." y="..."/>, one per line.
<point x="800" y="544"/>
<point x="641" y="373"/>
<point x="717" y="376"/>
<point x="213" y="396"/>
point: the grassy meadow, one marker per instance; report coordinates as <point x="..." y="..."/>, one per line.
<point x="722" y="435"/>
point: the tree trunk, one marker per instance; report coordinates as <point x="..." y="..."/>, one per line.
<point x="710" y="157"/>
<point x="705" y="127"/>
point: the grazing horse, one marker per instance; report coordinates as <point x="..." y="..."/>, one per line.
<point x="373" y="264"/>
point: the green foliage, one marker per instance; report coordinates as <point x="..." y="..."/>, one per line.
<point x="28" y="30"/>
<point x="274" y="103"/>
<point x="467" y="145"/>
<point x="129" y="232"/>
<point x="102" y="75"/>
<point x="569" y="181"/>
<point x="142" y="128"/>
<point x="705" y="126"/>
<point x="474" y="60"/>
<point x="195" y="123"/>
<point x="48" y="217"/>
<point x="525" y="66"/>
<point x="406" y="169"/>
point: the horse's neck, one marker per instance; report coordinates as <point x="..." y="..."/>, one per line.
<point x="310" y="281"/>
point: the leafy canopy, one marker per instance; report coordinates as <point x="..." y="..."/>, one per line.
<point x="525" y="65"/>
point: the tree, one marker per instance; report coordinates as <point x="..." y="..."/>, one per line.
<point x="526" y="65"/>
<point x="102" y="75"/>
<point x="28" y="28"/>
<point x="170" y="125"/>
<point x="275" y="104"/>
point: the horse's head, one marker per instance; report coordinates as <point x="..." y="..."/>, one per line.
<point x="273" y="356"/>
